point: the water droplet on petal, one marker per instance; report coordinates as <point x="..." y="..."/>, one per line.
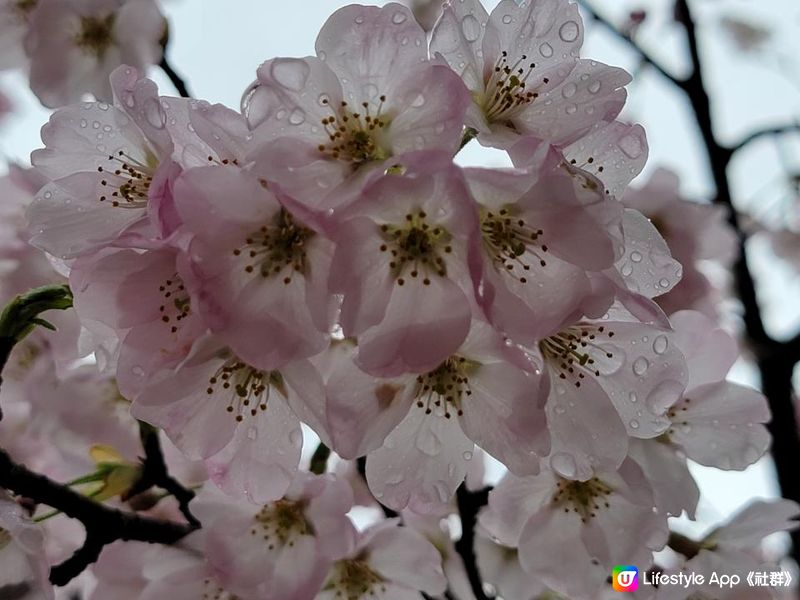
<point x="136" y="370"/>
<point x="399" y="18"/>
<point x="634" y="424"/>
<point x="636" y="257"/>
<point x="569" y="31"/>
<point x="418" y="101"/>
<point x="640" y="365"/>
<point x="467" y="455"/>
<point x="632" y="397"/>
<point x="154" y="113"/>
<point x="546" y="50"/>
<point x="471" y="28"/>
<point x="660" y="344"/>
<point x="359" y="20"/>
<point x="291" y="73"/>
<point x="569" y="90"/>
<point x="507" y="19"/>
<point x="296" y="438"/>
<point x="595" y="86"/>
<point x="631" y="146"/>
<point x="252" y="433"/>
<point x="297" y="117"/>
<point x="563" y="464"/>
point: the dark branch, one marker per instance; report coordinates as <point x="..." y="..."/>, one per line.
<point x="768" y="132"/>
<point x="469" y="503"/>
<point x="319" y="461"/>
<point x="644" y="55"/>
<point x="154" y="473"/>
<point x="177" y="80"/>
<point x="103" y="524"/>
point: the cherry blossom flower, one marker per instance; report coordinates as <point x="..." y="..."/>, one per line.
<point x="74" y="46"/>
<point x="520" y="64"/>
<point x="142" y="298"/>
<point x="543" y="230"/>
<point x="109" y="167"/>
<point x="735" y="549"/>
<point x="260" y="547"/>
<point x="242" y="420"/>
<point x="499" y="566"/>
<point x="327" y="123"/>
<point x="259" y="266"/>
<point x="571" y="533"/>
<point x="716" y="423"/>
<point x="697" y="234"/>
<point x="612" y="377"/>
<point x="15" y="17"/>
<point x="420" y="431"/>
<point x="388" y="563"/>
<point x="23" y="566"/>
<point x="401" y="265"/>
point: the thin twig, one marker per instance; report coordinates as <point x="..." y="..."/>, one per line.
<point x="469" y="503"/>
<point x="103" y="524"/>
<point x="177" y="80"/>
<point x="767" y="132"/>
<point x="644" y="55"/>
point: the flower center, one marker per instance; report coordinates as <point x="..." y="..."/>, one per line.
<point x="354" y="579"/>
<point x="512" y="244"/>
<point x="280" y="245"/>
<point x="416" y="248"/>
<point x="24" y="7"/>
<point x="176" y="306"/>
<point x="281" y="523"/>
<point x="445" y="386"/>
<point x="128" y="181"/>
<point x="354" y="137"/>
<point x="507" y="92"/>
<point x="247" y="387"/>
<point x="96" y="34"/>
<point x="576" y="351"/>
<point x="213" y="591"/>
<point x="584" y="498"/>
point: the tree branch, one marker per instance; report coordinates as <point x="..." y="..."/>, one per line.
<point x="469" y="503"/>
<point x="154" y="473"/>
<point x="177" y="80"/>
<point x="103" y="524"/>
<point x="644" y="55"/>
<point x="767" y="132"/>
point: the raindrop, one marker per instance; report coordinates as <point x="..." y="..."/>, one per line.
<point x="291" y="73"/>
<point x="323" y="99"/>
<point x="560" y="409"/>
<point x="569" y="90"/>
<point x="546" y="50"/>
<point x="569" y="31"/>
<point x="563" y="464"/>
<point x="507" y="19"/>
<point x="84" y="123"/>
<point x="297" y="117"/>
<point x="429" y="443"/>
<point x="634" y="424"/>
<point x="359" y="20"/>
<point x="471" y="28"/>
<point x="631" y="146"/>
<point x="296" y="438"/>
<point x="154" y="113"/>
<point x="252" y="433"/>
<point x="594" y="87"/>
<point x="321" y="55"/>
<point x="467" y="455"/>
<point x="627" y="270"/>
<point x="663" y="282"/>
<point x="636" y="257"/>
<point x="136" y="370"/>
<point x="640" y="365"/>
<point x="399" y="18"/>
<point x="418" y="101"/>
<point x="632" y="397"/>
<point x="571" y="109"/>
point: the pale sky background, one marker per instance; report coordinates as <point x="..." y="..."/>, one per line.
<point x="217" y="46"/>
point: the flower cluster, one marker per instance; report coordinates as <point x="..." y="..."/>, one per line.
<point x="318" y="258"/>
